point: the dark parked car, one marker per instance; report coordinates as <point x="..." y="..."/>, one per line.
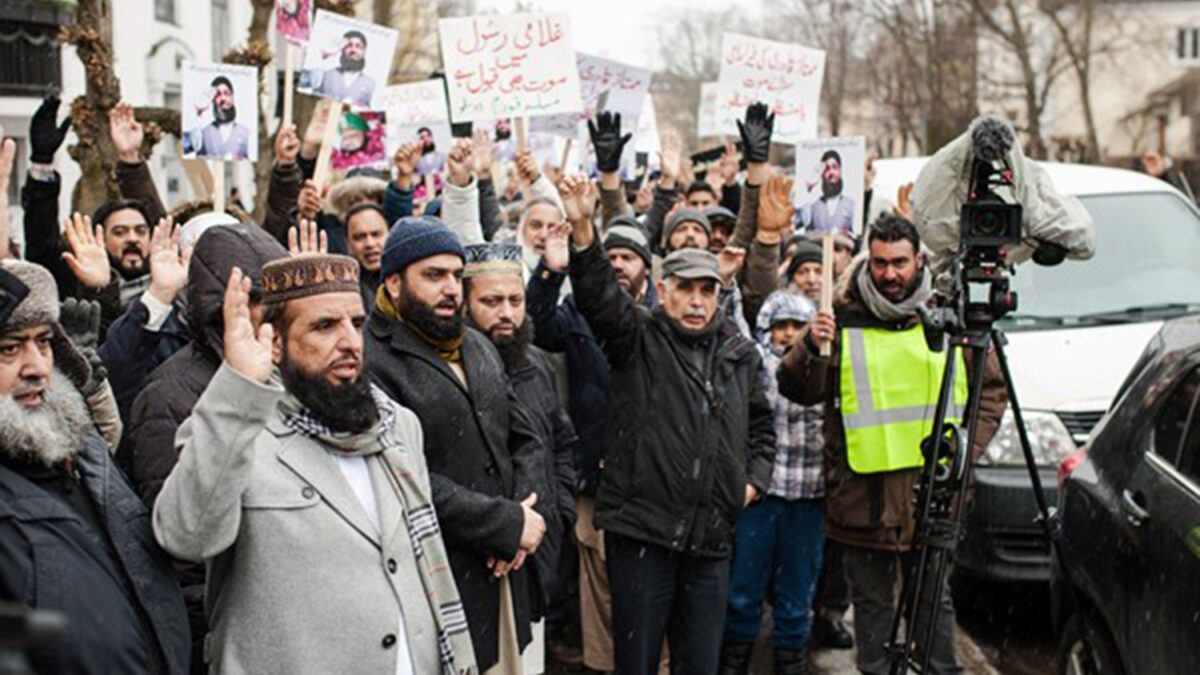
<point x="1130" y="508"/>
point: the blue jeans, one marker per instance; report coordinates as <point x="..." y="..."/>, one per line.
<point x="779" y="546"/>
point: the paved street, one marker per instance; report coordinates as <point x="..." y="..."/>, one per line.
<point x="1003" y="630"/>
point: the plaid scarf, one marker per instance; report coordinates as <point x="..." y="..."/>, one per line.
<point x="380" y="445"/>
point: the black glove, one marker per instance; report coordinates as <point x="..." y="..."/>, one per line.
<point x="44" y="137"/>
<point x="756" y="133"/>
<point x="608" y="141"/>
<point x="1049" y="254"/>
<point x="80" y="320"/>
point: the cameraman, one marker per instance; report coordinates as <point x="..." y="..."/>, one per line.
<point x="880" y="389"/>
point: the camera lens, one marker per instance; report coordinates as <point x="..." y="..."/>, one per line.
<point x="990" y="224"/>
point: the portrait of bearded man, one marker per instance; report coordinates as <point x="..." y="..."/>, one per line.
<point x="224" y="137"/>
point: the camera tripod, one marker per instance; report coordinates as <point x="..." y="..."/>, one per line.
<point x="942" y="492"/>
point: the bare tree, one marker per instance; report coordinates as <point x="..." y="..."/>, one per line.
<point x="927" y="80"/>
<point x="1016" y="31"/>
<point x="1074" y="23"/>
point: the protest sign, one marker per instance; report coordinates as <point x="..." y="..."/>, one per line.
<point x="360" y="141"/>
<point x="417" y="112"/>
<point x="830" y="183"/>
<point x="786" y="77"/>
<point x="604" y="85"/>
<point x="220" y="112"/>
<point x="519" y="65"/>
<point x="706" y="117"/>
<point x="347" y="60"/>
<point x="294" y="19"/>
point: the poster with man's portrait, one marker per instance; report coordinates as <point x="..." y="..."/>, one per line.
<point x="220" y="112"/>
<point x="347" y="60"/>
<point x="361" y="141"/>
<point x="829" y="184"/>
<point x="294" y="20"/>
<point x="435" y="140"/>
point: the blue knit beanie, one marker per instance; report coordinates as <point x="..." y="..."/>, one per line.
<point x="413" y="239"/>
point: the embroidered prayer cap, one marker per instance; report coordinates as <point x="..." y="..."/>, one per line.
<point x="493" y="259"/>
<point x="305" y="275"/>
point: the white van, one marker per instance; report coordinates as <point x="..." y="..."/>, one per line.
<point x="1076" y="334"/>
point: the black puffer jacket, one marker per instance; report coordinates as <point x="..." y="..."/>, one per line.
<point x="147" y="452"/>
<point x="81" y="544"/>
<point x="683" y="442"/>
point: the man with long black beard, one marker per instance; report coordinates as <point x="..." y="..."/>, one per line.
<point x="223" y="138"/>
<point x="349" y="82"/>
<point x="834" y="211"/>
<point x="295" y="471"/>
<point x="431" y="160"/>
<point x="493" y="282"/>
<point x="485" y="458"/>
<point x="73" y="537"/>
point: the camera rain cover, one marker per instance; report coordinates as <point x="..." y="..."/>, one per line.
<point x="943" y="185"/>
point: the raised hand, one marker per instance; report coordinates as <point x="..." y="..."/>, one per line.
<point x="903" y="206"/>
<point x="8" y="152"/>
<point x="168" y="265"/>
<point x="87" y="258"/>
<point x="775" y="209"/>
<point x="405" y="161"/>
<point x="527" y="167"/>
<point x="80" y="320"/>
<point x="558" y="247"/>
<point x="315" y="133"/>
<point x="579" y="206"/>
<point x="728" y="167"/>
<point x="756" y="133"/>
<point x="308" y="203"/>
<point x="607" y="141"/>
<point x="460" y="162"/>
<point x="485" y="154"/>
<point x="670" y="155"/>
<point x="307" y="239"/>
<point x="729" y="263"/>
<point x="45" y="134"/>
<point x="127" y="133"/>
<point x="246" y="352"/>
<point x="287" y="144"/>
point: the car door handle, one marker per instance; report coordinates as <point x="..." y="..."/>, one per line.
<point x="1135" y="513"/>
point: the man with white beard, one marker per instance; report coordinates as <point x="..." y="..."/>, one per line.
<point x="74" y="537"/>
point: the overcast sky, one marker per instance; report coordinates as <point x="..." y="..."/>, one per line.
<point x="622" y="30"/>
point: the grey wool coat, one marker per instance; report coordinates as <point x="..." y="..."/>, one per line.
<point x="299" y="581"/>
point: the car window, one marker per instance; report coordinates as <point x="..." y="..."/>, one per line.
<point x="1189" y="455"/>
<point x="1147" y="245"/>
<point x="1175" y="417"/>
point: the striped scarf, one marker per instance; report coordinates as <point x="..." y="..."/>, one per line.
<point x="414" y="493"/>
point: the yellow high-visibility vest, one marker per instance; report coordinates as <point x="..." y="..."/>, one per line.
<point x="889" y="391"/>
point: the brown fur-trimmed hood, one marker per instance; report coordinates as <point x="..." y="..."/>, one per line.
<point x="351" y="191"/>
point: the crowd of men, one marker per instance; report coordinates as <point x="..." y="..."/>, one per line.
<point x="570" y="418"/>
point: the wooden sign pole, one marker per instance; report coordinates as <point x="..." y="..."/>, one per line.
<point x="827" y="284"/>
<point x="522" y="136"/>
<point x="218" y="191"/>
<point x="321" y="173"/>
<point x="289" y="86"/>
<point x="562" y="166"/>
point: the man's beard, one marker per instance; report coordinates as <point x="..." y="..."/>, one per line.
<point x="129" y="273"/>
<point x="831" y="188"/>
<point x="349" y="65"/>
<point x="422" y="317"/>
<point x="503" y="135"/>
<point x="347" y="408"/>
<point x="636" y="284"/>
<point x="54" y="432"/>
<point x="903" y="293"/>
<point x="428" y="148"/>
<point x="224" y="115"/>
<point x="513" y="348"/>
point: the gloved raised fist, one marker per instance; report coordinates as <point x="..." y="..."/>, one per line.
<point x="608" y="141"/>
<point x="756" y="133"/>
<point x="45" y="136"/>
<point x="80" y="320"/>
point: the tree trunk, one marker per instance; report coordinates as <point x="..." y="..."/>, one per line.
<point x="91" y="35"/>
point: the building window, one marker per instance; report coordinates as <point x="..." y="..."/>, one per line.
<point x="1187" y="45"/>
<point x="220" y="28"/>
<point x="30" y="61"/>
<point x="164" y="10"/>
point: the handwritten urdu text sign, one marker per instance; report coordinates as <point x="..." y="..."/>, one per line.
<point x="520" y="65"/>
<point x="786" y="77"/>
<point x="604" y="85"/>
